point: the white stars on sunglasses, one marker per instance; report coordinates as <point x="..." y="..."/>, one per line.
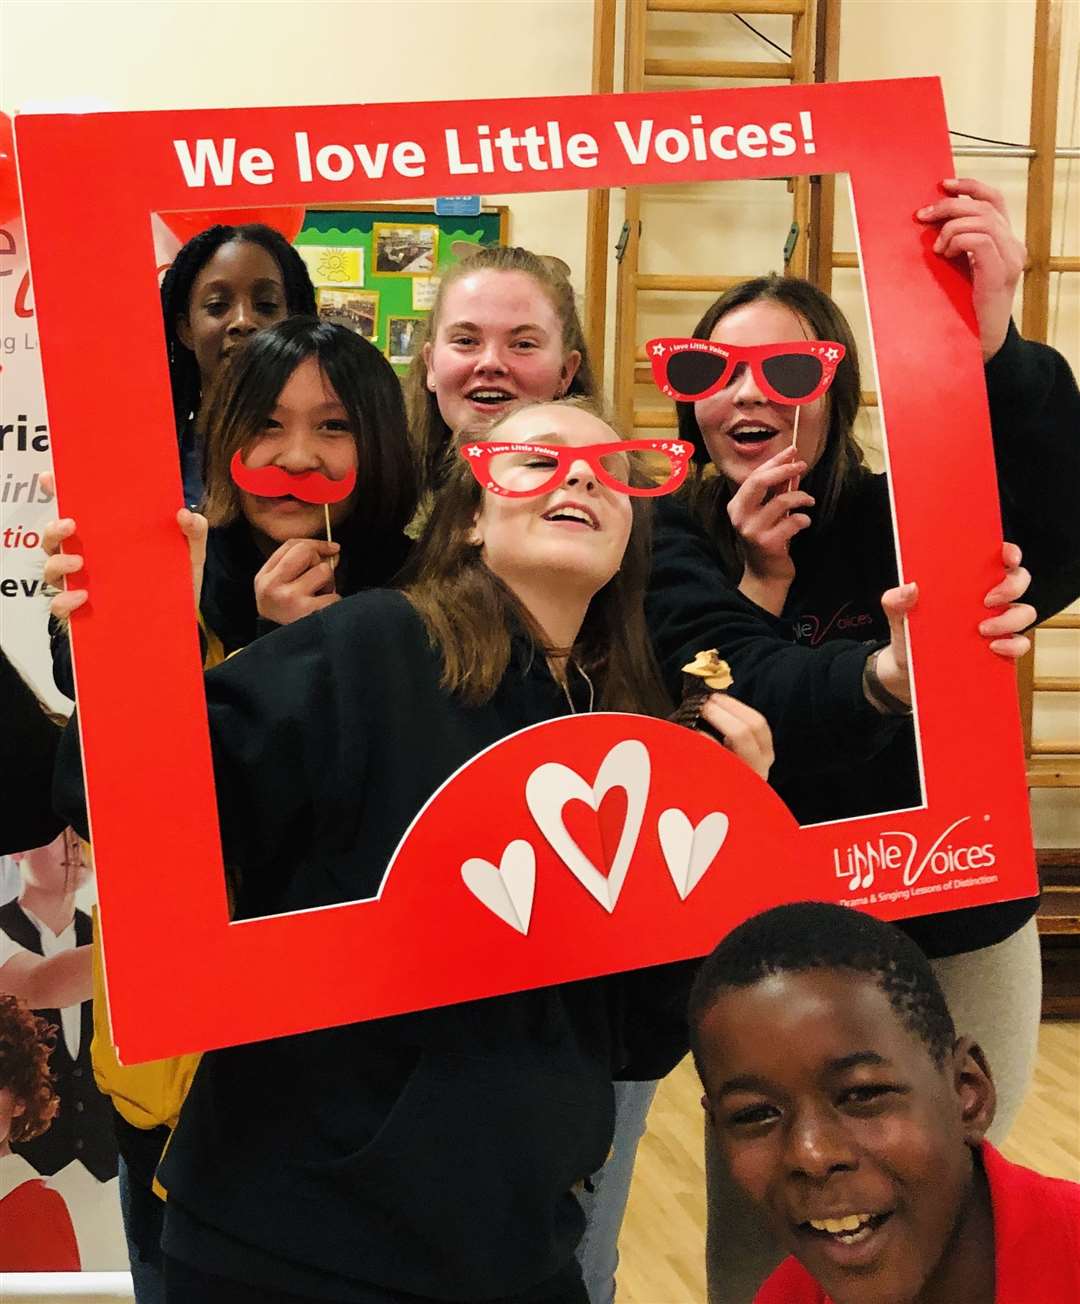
<point x="474" y="451"/>
<point x="832" y="354"/>
<point x="658" y="350"/>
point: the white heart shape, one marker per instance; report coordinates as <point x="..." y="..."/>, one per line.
<point x="551" y="786"/>
<point x="508" y="890"/>
<point x="689" y="851"/>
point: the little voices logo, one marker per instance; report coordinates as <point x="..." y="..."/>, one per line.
<point x="897" y="865"/>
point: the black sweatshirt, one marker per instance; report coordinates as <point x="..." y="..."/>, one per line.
<point x="228" y="610"/>
<point x="28" y="742"/>
<point x="836" y="757"/>
<point x="227" y="601"/>
<point x="432" y="1153"/>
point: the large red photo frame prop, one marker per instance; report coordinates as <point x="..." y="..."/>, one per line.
<point x="181" y="975"/>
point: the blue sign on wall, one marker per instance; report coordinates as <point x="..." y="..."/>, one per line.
<point x="458" y="206"/>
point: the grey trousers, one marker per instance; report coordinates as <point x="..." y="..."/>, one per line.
<point x="605" y="1205"/>
<point x="995" y="995"/>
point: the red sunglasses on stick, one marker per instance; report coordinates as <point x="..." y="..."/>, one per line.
<point x="526" y="470"/>
<point x="797" y="371"/>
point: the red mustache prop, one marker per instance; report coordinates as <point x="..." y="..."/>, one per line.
<point x="273" y="482"/>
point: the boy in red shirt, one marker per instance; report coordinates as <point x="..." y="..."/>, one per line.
<point x="852" y="1116"/>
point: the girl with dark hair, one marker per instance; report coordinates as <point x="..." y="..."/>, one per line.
<point x="312" y="399"/>
<point x="780" y="559"/>
<point x="305" y="396"/>
<point x="430" y="1156"/>
<point x="315" y="403"/>
<point x="750" y="472"/>
<point x="225" y="284"/>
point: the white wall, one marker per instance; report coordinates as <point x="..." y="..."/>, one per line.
<point x="187" y="54"/>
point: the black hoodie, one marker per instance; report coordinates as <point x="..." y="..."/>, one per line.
<point x="836" y="757"/>
<point x="227" y="602"/>
<point x="433" y="1153"/>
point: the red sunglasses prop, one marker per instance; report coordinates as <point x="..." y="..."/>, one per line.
<point x="526" y="470"/>
<point x="797" y="371"/>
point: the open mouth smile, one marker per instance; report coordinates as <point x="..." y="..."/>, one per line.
<point x="573" y="513"/>
<point x="850" y="1240"/>
<point x="849" y="1229"/>
<point x="752" y="433"/>
<point x="490" y="396"/>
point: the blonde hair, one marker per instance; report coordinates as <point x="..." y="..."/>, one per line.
<point x="471" y="615"/>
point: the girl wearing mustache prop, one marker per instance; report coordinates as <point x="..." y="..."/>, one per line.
<point x="318" y="411"/>
<point x="306" y="409"/>
<point x="310" y="409"/>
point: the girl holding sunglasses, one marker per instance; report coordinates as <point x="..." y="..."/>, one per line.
<point x="781" y="559"/>
<point x="434" y="1155"/>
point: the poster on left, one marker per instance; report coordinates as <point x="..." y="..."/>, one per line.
<point x="59" y="1200"/>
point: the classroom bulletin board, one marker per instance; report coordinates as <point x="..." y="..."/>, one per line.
<point x="376" y="269"/>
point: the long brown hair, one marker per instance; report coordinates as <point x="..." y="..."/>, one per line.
<point x="472" y="616"/>
<point x="841" y="458"/>
<point x="247" y="387"/>
<point x="431" y="435"/>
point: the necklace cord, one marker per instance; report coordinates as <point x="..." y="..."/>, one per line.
<point x="566" y="688"/>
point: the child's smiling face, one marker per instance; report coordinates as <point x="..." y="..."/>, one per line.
<point x="854" y="1144"/>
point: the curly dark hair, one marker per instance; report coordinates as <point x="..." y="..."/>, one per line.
<point x="813" y="935"/>
<point x="176" y="293"/>
<point x="26" y="1042"/>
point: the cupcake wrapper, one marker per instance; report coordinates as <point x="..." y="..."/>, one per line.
<point x="695" y="695"/>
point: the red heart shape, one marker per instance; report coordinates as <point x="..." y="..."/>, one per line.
<point x="598" y="833"/>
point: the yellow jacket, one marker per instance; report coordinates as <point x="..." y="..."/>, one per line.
<point x="145" y="1095"/>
